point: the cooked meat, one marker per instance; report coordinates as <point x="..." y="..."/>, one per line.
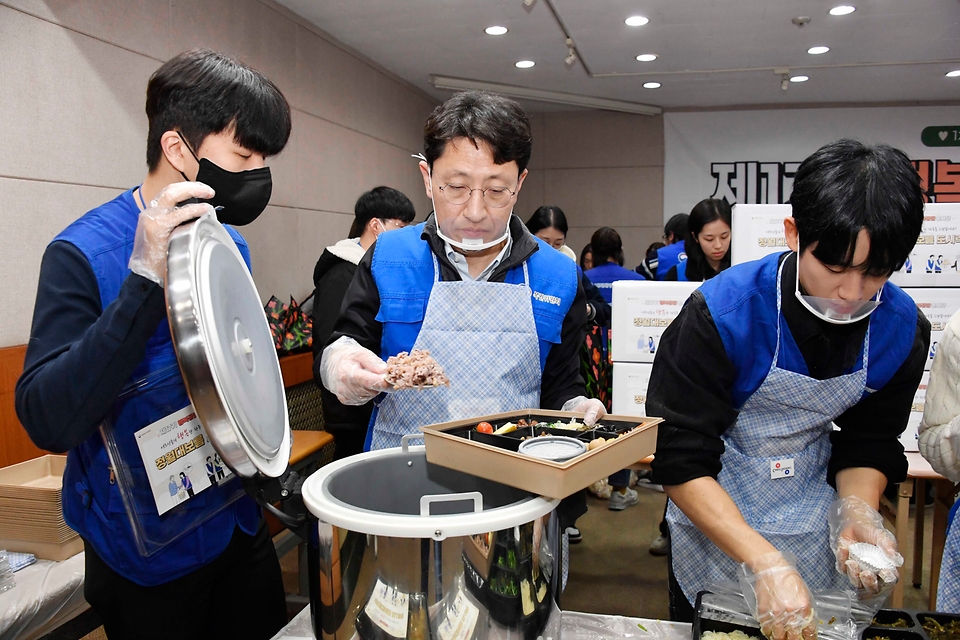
<point x="415" y="370"/>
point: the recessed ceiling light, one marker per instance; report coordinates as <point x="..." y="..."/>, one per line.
<point x="842" y="10"/>
<point x="495" y="31"/>
<point x="799" y="79"/>
<point x="646" y="57"/>
<point x="953" y="74"/>
<point x="651" y="85"/>
<point x="817" y="50"/>
<point x="636" y="21"/>
<point x="525" y="64"/>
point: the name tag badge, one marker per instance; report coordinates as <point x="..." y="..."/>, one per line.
<point x="781" y="468"/>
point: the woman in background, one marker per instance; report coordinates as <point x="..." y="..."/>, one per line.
<point x="608" y="260"/>
<point x="708" y="242"/>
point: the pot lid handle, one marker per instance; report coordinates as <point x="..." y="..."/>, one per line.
<point x="427" y="500"/>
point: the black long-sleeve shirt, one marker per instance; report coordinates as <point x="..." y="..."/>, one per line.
<point x="80" y="355"/>
<point x="561" y="379"/>
<point x="692" y="378"/>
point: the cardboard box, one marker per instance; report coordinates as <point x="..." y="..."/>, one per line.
<point x="757" y="231"/>
<point x="909" y="436"/>
<point x="935" y="260"/>
<point x="938" y="304"/>
<point x="642" y="310"/>
<point x="446" y="448"/>
<point x="630" y="380"/>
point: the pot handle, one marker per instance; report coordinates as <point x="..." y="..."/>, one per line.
<point x="405" y="440"/>
<point x="427" y="500"/>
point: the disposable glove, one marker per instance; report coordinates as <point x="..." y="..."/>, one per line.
<point x="157" y="222"/>
<point x="853" y="520"/>
<point x="591" y="408"/>
<point x="778" y="597"/>
<point x="354" y="374"/>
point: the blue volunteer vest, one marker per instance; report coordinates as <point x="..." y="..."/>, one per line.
<point x="743" y="303"/>
<point x="668" y="256"/>
<point x="402" y="267"/>
<point x="92" y="504"/>
<point x="682" y="271"/>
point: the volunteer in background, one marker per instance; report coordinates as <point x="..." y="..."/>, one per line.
<point x="379" y="210"/>
<point x="707" y="245"/>
<point x="100" y="324"/>
<point x="661" y="259"/>
<point x="940" y="445"/>
<point x="608" y="262"/>
<point x="759" y="362"/>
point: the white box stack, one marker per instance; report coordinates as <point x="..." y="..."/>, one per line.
<point x="757" y="231"/>
<point x="642" y="310"/>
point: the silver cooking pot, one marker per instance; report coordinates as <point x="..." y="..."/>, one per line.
<point x="406" y="549"/>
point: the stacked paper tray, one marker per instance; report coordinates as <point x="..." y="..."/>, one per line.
<point x="31" y="511"/>
<point x="458" y="445"/>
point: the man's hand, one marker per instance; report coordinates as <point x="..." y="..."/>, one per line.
<point x="779" y="597"/>
<point x="853" y="520"/>
<point x="591" y="408"/>
<point x="157" y="222"/>
<point x="354" y="374"/>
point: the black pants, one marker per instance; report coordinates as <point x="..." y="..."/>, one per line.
<point x="238" y="595"/>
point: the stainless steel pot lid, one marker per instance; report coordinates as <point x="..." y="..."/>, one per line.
<point x="225" y="349"/>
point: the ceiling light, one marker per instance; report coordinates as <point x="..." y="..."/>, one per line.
<point x="636" y="21"/>
<point x="543" y="95"/>
<point x="571" y="57"/>
<point x="646" y="57"/>
<point x="525" y="64"/>
<point x="842" y="10"/>
<point x="495" y="31"/>
<point x="815" y="51"/>
<point x="651" y="85"/>
<point x="953" y="74"/>
<point x="784" y="84"/>
<point x="799" y="78"/>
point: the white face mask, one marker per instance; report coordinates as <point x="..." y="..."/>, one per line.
<point x="469" y="244"/>
<point x="833" y="310"/>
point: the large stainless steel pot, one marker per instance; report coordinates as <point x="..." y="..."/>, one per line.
<point x="406" y="549"/>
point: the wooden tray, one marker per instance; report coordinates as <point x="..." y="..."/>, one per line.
<point x="495" y="457"/>
<point x="40" y="479"/>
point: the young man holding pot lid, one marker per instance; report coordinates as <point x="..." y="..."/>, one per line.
<point x="760" y="362"/>
<point x="503" y="316"/>
<point x="100" y="327"/>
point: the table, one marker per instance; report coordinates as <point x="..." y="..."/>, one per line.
<point x="47" y="595"/>
<point x="574" y="626"/>
<point x="918" y="474"/>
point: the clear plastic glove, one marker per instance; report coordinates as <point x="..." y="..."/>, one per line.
<point x="354" y="374"/>
<point x="591" y="408"/>
<point x="778" y="597"/>
<point x="157" y="222"/>
<point x="853" y="520"/>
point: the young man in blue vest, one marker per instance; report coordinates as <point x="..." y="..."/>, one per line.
<point x="504" y="317"/>
<point x="100" y="330"/>
<point x="761" y="363"/>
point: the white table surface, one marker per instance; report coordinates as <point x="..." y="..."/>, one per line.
<point x="47" y="593"/>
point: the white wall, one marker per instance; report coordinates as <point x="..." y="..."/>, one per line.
<point x="73" y="131"/>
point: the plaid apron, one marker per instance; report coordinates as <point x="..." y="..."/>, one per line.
<point x="948" y="590"/>
<point x="789" y="416"/>
<point x="484" y="336"/>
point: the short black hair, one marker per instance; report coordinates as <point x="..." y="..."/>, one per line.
<point x="846" y="186"/>
<point x="606" y="244"/>
<point x="702" y="214"/>
<point x="202" y="92"/>
<point x="547" y="217"/>
<point x="480" y="116"/>
<point x="583" y="255"/>
<point x="384" y="203"/>
<point x="677" y="225"/>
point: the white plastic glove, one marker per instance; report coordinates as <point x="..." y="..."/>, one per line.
<point x="591" y="408"/>
<point x="157" y="222"/>
<point x="853" y="520"/>
<point x="354" y="374"/>
<point x="778" y="597"/>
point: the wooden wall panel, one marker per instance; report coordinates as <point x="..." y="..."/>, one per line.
<point x="15" y="444"/>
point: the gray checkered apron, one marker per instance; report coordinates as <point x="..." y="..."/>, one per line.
<point x="789" y="416"/>
<point x="948" y="590"/>
<point x="484" y="336"/>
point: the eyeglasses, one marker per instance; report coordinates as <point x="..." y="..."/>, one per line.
<point x="399" y="224"/>
<point x="496" y="197"/>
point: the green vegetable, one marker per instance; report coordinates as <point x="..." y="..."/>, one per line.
<point x="642" y="627"/>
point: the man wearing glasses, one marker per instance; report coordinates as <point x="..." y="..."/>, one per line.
<point x="504" y="317"/>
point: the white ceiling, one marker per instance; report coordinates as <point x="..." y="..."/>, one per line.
<point x="712" y="53"/>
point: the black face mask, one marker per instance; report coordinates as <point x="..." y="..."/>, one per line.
<point x="242" y="194"/>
